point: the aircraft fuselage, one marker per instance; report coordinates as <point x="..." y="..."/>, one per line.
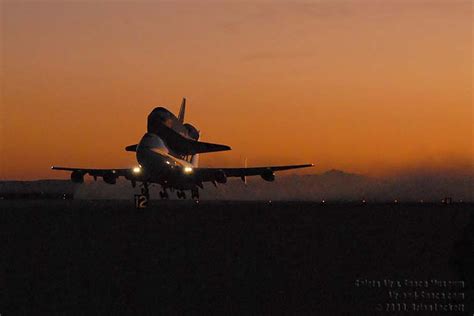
<point x="158" y="164"/>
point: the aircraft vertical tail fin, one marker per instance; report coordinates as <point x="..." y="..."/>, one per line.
<point x="182" y="111"/>
<point x="244" y="178"/>
<point x="195" y="160"/>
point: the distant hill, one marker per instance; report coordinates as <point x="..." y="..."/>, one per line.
<point x="332" y="185"/>
<point x="37" y="189"/>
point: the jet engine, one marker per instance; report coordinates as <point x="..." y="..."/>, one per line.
<point x="221" y="177"/>
<point x="192" y="131"/>
<point x="268" y="175"/>
<point x="77" y="177"/>
<point x="110" y="178"/>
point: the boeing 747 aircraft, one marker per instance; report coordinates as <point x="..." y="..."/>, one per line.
<point x="168" y="155"/>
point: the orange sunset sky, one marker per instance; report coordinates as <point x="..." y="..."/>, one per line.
<point x="371" y="87"/>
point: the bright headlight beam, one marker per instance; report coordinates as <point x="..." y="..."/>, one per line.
<point x="136" y="170"/>
<point x="188" y="169"/>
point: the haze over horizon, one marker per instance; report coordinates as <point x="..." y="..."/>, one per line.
<point x="370" y="87"/>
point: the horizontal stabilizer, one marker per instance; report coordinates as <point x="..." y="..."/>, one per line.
<point x="131" y="148"/>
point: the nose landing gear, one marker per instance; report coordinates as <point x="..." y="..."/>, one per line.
<point x="145" y="190"/>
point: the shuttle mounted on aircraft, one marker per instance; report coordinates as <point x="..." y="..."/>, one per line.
<point x="168" y="155"/>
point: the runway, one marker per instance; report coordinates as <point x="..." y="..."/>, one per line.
<point x="104" y="257"/>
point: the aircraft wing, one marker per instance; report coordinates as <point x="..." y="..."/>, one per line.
<point x="95" y="172"/>
<point x="79" y="173"/>
<point x="216" y="174"/>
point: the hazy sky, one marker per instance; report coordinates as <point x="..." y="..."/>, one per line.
<point x="363" y="86"/>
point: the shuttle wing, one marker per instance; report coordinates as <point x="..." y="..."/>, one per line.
<point x="186" y="146"/>
<point x="183" y="145"/>
<point x="192" y="147"/>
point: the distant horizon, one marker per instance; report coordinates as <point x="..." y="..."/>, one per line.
<point x="331" y="185"/>
<point x="403" y="173"/>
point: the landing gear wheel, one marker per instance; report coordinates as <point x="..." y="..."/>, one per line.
<point x="145" y="190"/>
<point x="164" y="195"/>
<point x="195" y="194"/>
<point x="181" y="195"/>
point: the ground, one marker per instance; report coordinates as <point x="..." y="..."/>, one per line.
<point x="104" y="257"/>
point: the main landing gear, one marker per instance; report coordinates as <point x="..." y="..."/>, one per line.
<point x="141" y="200"/>
<point x="145" y="190"/>
<point x="164" y="194"/>
<point x="194" y="194"/>
<point x="181" y="194"/>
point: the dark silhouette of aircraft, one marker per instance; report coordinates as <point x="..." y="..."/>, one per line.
<point x="168" y="155"/>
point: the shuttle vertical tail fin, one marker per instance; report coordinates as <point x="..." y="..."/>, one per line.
<point x="182" y="111"/>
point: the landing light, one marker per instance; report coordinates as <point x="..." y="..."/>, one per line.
<point x="137" y="170"/>
<point x="188" y="169"/>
